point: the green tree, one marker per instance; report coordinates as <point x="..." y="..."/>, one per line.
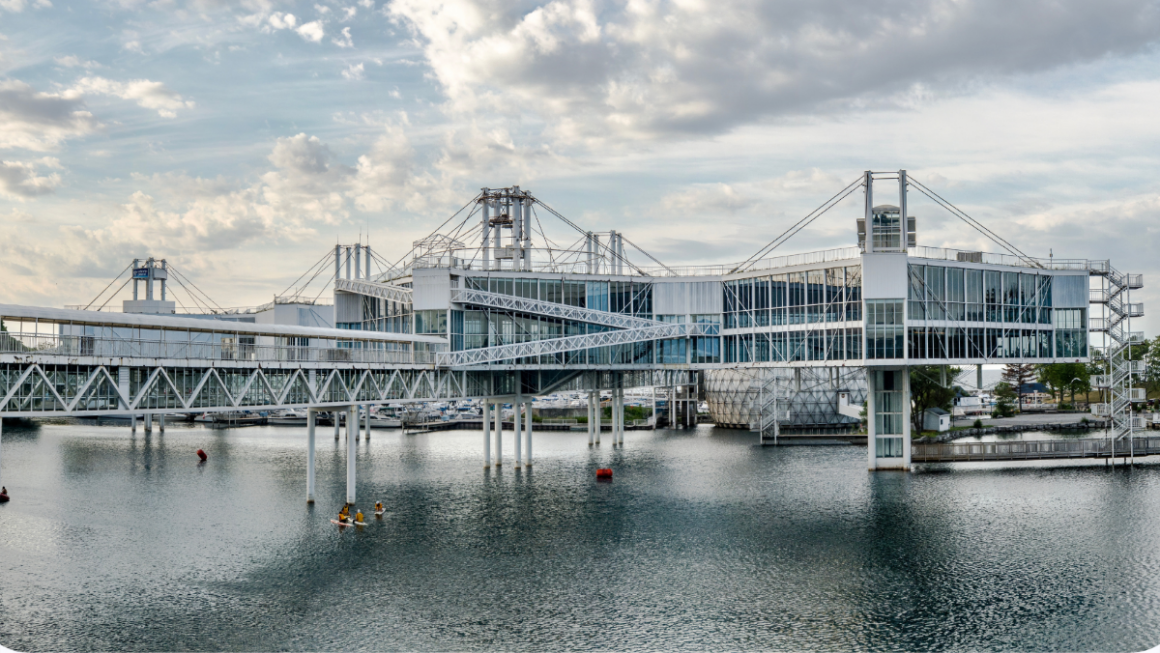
<point x="927" y="391"/>
<point x="1018" y="374"/>
<point x="1005" y="395"/>
<point x="1151" y="358"/>
<point x="1069" y="377"/>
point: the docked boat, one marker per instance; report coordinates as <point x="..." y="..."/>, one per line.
<point x="292" y="417"/>
<point x="231" y="419"/>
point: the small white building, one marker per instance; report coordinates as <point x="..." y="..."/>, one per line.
<point x="936" y="419"/>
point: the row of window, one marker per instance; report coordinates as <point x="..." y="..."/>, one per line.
<point x="829" y="295"/>
<point x="776" y="347"/>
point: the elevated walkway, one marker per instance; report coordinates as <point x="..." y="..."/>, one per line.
<point x="962" y="452"/>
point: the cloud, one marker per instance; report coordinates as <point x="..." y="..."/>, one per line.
<point x="146" y="93"/>
<point x="344" y="40"/>
<point x="645" y="69"/>
<point x="311" y="31"/>
<point x="279" y="20"/>
<point x="39" y="121"/>
<point x="353" y="72"/>
<point x="72" y="61"/>
<point x="19" y="181"/>
<point x="17" y="6"/>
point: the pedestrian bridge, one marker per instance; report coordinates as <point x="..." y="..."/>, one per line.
<point x="963" y="452"/>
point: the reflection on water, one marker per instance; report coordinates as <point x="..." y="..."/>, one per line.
<point x="702" y="541"/>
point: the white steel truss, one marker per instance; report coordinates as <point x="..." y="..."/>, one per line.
<point x="38" y="390"/>
<point x="571" y="343"/>
<point x="549" y="309"/>
<point x="375" y="289"/>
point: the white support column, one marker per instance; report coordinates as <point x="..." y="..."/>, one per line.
<point x="486" y="433"/>
<point x="132" y="423"/>
<point x="311" y="420"/>
<point x="591" y="421"/>
<point x="486" y="234"/>
<point x="905" y="374"/>
<point x="351" y="451"/>
<point x="599" y="416"/>
<point x="528" y="425"/>
<point x="888" y="419"/>
<point x="335" y="414"/>
<point x="1" y="450"/>
<point x="620" y="415"/>
<point x="518" y="425"/>
<point x="148" y="423"/>
<point x="499" y="433"/>
<point x="358" y="261"/>
<point x="161" y="423"/>
<point x="367" y="422"/>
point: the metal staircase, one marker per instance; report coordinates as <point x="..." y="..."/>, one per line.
<point x="772" y="405"/>
<point x="1114" y="294"/>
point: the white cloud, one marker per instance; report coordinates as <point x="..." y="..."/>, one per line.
<point x="311" y="31"/>
<point x="72" y="61"/>
<point x="146" y="93"/>
<point x="344" y="40"/>
<point x="646" y="69"/>
<point x="20" y="181"/>
<point x="348" y="13"/>
<point x="322" y="9"/>
<point x="17" y="6"/>
<point x="353" y="72"/>
<point x="39" y="121"/>
<point x="133" y="46"/>
<point x="279" y="20"/>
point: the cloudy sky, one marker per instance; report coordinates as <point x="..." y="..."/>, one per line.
<point x="241" y="140"/>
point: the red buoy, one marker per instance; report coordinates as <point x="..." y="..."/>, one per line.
<point x="604" y="472"/>
<point x="201" y="454"/>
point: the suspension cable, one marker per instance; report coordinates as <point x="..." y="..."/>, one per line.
<point x="799" y="225"/>
<point x="962" y="215"/>
<point x="107" y="287"/>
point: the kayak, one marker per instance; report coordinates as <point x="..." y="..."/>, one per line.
<point x="3" y="498"/>
<point x="379" y="513"/>
<point x="347" y="523"/>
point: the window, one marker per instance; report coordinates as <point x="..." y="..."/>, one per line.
<point x="884" y="329"/>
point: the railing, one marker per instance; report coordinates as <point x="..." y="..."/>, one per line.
<point x="559" y="421"/>
<point x="943" y="254"/>
<point x="1033" y="450"/>
<point x="82" y="346"/>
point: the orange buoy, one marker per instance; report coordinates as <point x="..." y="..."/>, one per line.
<point x="604" y="472"/>
<point x="201" y="454"/>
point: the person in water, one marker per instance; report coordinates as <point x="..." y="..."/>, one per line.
<point x="358" y="516"/>
<point x="344" y="514"/>
<point x="378" y="506"/>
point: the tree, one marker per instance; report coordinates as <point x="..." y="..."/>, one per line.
<point x="1018" y="374"/>
<point x="1061" y="377"/>
<point x="927" y="391"/>
<point x="1005" y="395"/>
<point x="1151" y="360"/>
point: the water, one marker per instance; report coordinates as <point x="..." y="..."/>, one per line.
<point x="702" y="542"/>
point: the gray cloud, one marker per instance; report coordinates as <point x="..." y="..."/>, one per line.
<point x="39" y="121"/>
<point x="688" y="68"/>
<point x="20" y="180"/>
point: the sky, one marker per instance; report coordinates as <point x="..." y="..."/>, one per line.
<point x="242" y="140"/>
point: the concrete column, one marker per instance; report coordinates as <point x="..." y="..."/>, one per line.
<point x="358" y="261"/>
<point x="351" y="451"/>
<point x="498" y="430"/>
<point x="133" y="423"/>
<point x="486" y="429"/>
<point x="528" y="425"/>
<point x="620" y="414"/>
<point x="148" y="423"/>
<point x="335" y="414"/>
<point x="518" y="427"/>
<point x="888" y="417"/>
<point x="979" y="377"/>
<point x="1" y="451"/>
<point x="672" y="406"/>
<point x="367" y="422"/>
<point x="311" y="419"/>
<point x="161" y="423"/>
<point x="599" y="416"/>
<point x="591" y="420"/>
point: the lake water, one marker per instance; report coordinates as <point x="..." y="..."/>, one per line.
<point x="701" y="542"/>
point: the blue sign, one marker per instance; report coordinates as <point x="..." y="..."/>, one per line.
<point x="140" y="273"/>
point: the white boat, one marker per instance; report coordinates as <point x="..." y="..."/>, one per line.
<point x="292" y="417"/>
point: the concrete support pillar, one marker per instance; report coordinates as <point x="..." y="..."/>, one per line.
<point x="1" y="451"/>
<point x="528" y="425"/>
<point x="148" y="423"/>
<point x="888" y="418"/>
<point x="486" y="431"/>
<point x="367" y="422"/>
<point x="335" y="414"/>
<point x="351" y="451"/>
<point x="620" y="415"/>
<point x="979" y="377"/>
<point x="518" y="427"/>
<point x="132" y="423"/>
<point x="161" y="423"/>
<point x="311" y="419"/>
<point x="599" y="416"/>
<point x="498" y="430"/>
